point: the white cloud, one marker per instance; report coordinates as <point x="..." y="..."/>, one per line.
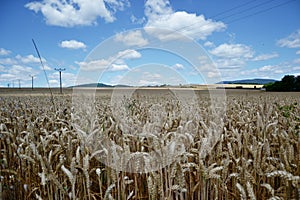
<point x="298" y="52"/>
<point x="265" y="57"/>
<point x="230" y="63"/>
<point x="29" y="59"/>
<point x="213" y="74"/>
<point x="72" y="44"/>
<point x="278" y="71"/>
<point x="266" y="68"/>
<point x="15" y="72"/>
<point x="68" y="79"/>
<point x="151" y="76"/>
<point x="118" y="60"/>
<point x="8" y="61"/>
<point x="2" y="68"/>
<point x="115" y="67"/>
<point x="7" y="77"/>
<point x="94" y="65"/>
<point x="272" y="71"/>
<point x="297" y="61"/>
<point x="53" y="83"/>
<point x="209" y="44"/>
<point x="136" y="20"/>
<point x="296" y="68"/>
<point x="178" y="66"/>
<point x="156" y="8"/>
<point x="115" y="80"/>
<point x="232" y="51"/>
<point x="231" y="56"/>
<point x="18" y="69"/>
<point x="76" y="12"/>
<point x="4" y="52"/>
<point x="148" y="78"/>
<point x="292" y="41"/>
<point x="160" y="15"/>
<point x="46" y="67"/>
<point x="132" y="38"/>
<point x="128" y="54"/>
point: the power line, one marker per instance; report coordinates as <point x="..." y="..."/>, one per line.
<point x="32" y="76"/>
<point x="236" y="7"/>
<point x="60" y="70"/>
<point x="190" y="26"/>
<point x="247" y="9"/>
<point x="261" y="11"/>
<point x="38" y="53"/>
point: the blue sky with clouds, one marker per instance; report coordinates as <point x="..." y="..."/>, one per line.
<point x="238" y="40"/>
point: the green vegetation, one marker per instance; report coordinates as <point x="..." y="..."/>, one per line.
<point x="287" y="83"/>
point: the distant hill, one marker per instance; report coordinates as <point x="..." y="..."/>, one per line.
<point x="258" y="81"/>
<point x="99" y="85"/>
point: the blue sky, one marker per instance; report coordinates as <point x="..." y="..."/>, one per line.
<point x="110" y="40"/>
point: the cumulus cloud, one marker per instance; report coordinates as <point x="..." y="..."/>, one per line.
<point x="265" y="57"/>
<point x="68" y="79"/>
<point x="232" y="51"/>
<point x="160" y="15"/>
<point x="94" y="65"/>
<point x="132" y="38"/>
<point x="15" y="72"/>
<point x="46" y="67"/>
<point x="128" y="54"/>
<point x="136" y="20"/>
<point x="29" y="59"/>
<point x="231" y="56"/>
<point x="230" y="63"/>
<point x="266" y="68"/>
<point x="72" y="44"/>
<point x="77" y="12"/>
<point x="115" y="67"/>
<point x="2" y="68"/>
<point x="209" y="44"/>
<point x="272" y="71"/>
<point x="296" y="61"/>
<point x="7" y="77"/>
<point x="113" y="63"/>
<point x="178" y="66"/>
<point x="4" y="52"/>
<point x="8" y="61"/>
<point x="20" y="67"/>
<point x="291" y="41"/>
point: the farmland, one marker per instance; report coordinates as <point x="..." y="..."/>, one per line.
<point x="51" y="149"/>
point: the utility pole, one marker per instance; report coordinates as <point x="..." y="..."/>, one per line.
<point x="19" y="83"/>
<point x="60" y="70"/>
<point x="32" y="76"/>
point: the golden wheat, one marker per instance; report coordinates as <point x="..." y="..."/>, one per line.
<point x="52" y="153"/>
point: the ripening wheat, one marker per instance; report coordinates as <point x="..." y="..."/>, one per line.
<point x="52" y="152"/>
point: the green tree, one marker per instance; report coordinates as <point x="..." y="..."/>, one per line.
<point x="287" y="83"/>
<point x="297" y="83"/>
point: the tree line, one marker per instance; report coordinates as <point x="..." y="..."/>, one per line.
<point x="287" y="83"/>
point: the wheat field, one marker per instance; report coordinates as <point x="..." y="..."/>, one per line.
<point x="46" y="150"/>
